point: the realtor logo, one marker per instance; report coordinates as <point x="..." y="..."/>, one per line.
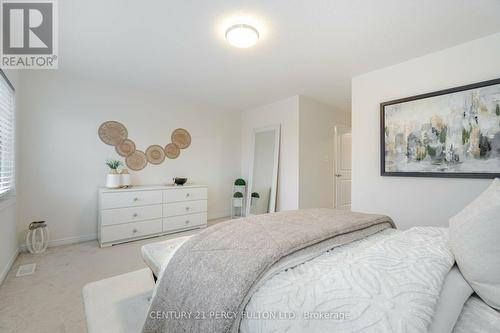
<point x="29" y="34"/>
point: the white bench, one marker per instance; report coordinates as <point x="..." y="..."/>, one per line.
<point x="155" y="254"/>
<point x="120" y="303"/>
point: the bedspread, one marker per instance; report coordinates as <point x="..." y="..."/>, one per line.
<point x="388" y="282"/>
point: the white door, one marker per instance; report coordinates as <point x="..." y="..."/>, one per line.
<point x="342" y="168"/>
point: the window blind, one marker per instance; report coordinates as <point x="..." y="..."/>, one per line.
<point x="7" y="135"/>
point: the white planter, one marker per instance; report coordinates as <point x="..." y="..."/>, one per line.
<point x="125" y="180"/>
<point x="113" y="180"/>
<point x="238" y="202"/>
<point x="239" y="188"/>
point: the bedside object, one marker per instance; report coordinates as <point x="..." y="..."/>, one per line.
<point x="180" y="181"/>
<point x="148" y="211"/>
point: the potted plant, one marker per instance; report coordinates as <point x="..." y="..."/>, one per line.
<point x="240" y="182"/>
<point x="239" y="185"/>
<point x="113" y="177"/>
<point x="238" y="199"/>
<point x="255" y="197"/>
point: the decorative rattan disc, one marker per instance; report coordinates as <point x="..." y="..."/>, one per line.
<point x="155" y="154"/>
<point x="125" y="148"/>
<point x="136" y="161"/>
<point x="172" y="151"/>
<point x="181" y="138"/>
<point x="112" y="132"/>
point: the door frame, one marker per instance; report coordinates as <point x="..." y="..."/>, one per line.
<point x="335" y="163"/>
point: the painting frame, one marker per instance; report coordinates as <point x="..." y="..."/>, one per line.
<point x="383" y="105"/>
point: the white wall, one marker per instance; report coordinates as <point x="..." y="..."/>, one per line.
<point x="414" y="201"/>
<point x="316" y="152"/>
<point x="284" y="112"/>
<point x="62" y="158"/>
<point x="8" y="238"/>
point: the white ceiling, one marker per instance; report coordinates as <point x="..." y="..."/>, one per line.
<point x="309" y="47"/>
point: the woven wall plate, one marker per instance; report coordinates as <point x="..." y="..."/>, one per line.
<point x="136" y="161"/>
<point x="112" y="132"/>
<point x="155" y="154"/>
<point x="125" y="148"/>
<point x="172" y="151"/>
<point x="181" y="138"/>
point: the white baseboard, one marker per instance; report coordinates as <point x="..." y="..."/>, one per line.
<point x="7" y="267"/>
<point x="64" y="241"/>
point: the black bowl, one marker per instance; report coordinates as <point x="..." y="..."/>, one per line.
<point x="180" y="181"/>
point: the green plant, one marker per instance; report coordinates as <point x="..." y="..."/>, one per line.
<point x="255" y="195"/>
<point x="113" y="164"/>
<point x="240" y="182"/>
<point x="238" y="195"/>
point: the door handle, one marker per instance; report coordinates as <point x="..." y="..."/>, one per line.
<point x="338" y="175"/>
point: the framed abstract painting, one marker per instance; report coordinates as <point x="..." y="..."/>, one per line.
<point x="448" y="133"/>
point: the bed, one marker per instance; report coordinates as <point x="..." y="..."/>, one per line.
<point x="348" y="283"/>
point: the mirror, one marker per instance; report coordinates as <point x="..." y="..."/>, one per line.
<point x="263" y="175"/>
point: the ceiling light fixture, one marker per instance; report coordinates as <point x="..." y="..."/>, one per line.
<point x="242" y="35"/>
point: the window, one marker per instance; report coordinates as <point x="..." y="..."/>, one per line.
<point x="7" y="134"/>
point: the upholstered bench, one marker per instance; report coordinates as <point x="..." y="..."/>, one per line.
<point x="118" y="304"/>
<point x="155" y="254"/>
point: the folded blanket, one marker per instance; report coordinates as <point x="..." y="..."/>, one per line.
<point x="209" y="280"/>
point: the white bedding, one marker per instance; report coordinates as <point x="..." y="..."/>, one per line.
<point x="389" y="282"/>
<point x="477" y="317"/>
<point x="323" y="284"/>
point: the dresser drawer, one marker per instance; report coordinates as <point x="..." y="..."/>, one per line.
<point x="186" y="207"/>
<point x="111" y="233"/>
<point x="128" y="199"/>
<point x="183" y="194"/>
<point x="130" y="214"/>
<point x="184" y="221"/>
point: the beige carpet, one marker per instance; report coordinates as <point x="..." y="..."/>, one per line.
<point x="50" y="300"/>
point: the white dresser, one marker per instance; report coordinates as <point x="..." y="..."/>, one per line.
<point x="147" y="211"/>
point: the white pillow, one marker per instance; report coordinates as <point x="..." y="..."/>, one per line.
<point x="475" y="242"/>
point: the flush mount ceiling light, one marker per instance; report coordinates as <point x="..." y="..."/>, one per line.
<point x="242" y="35"/>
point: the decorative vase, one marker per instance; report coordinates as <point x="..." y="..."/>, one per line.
<point x="113" y="179"/>
<point x="37" y="238"/>
<point x="238" y="202"/>
<point x="125" y="180"/>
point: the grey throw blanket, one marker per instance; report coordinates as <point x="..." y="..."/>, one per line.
<point x="208" y="282"/>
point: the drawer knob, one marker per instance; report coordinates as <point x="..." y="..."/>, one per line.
<point x="187" y="208"/>
<point x="187" y="222"/>
<point x="135" y="215"/>
<point x="134" y="230"/>
<point x="136" y="199"/>
<point x="187" y="195"/>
